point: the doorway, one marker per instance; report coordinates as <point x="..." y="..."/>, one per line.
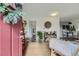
<point x="33" y="29"/>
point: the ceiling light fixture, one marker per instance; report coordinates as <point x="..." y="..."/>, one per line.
<point x="54" y="14"/>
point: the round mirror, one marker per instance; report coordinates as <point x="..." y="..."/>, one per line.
<point x="47" y="24"/>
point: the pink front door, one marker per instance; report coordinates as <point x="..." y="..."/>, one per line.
<point x="10" y="43"/>
<point x="4" y="38"/>
<point x="16" y="41"/>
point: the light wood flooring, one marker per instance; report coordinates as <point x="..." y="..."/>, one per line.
<point x="37" y="49"/>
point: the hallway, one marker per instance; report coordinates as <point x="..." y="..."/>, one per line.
<point x="37" y="49"/>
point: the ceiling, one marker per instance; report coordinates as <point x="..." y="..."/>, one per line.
<point x="66" y="10"/>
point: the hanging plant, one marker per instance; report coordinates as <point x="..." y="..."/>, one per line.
<point x="12" y="16"/>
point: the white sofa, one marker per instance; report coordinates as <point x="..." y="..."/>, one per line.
<point x="66" y="48"/>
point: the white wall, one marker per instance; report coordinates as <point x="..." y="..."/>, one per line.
<point x="40" y="24"/>
<point x="55" y="25"/>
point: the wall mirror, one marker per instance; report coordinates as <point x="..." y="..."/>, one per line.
<point x="47" y="24"/>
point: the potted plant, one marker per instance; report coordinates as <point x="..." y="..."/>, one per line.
<point x="40" y="35"/>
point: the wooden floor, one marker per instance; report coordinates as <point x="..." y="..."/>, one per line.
<point x="37" y="49"/>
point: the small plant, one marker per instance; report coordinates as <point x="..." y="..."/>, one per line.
<point x="72" y="28"/>
<point x="40" y="35"/>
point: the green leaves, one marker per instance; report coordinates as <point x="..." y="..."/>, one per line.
<point x="13" y="17"/>
<point x="72" y="28"/>
<point x="2" y="8"/>
<point x="40" y="34"/>
<point x="10" y="16"/>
